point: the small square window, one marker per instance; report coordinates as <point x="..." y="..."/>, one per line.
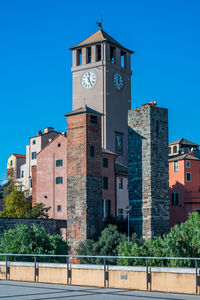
<point x="59" y="180"/>
<point x="188" y="164"/>
<point x="11" y="162"/>
<point x="119" y="143"/>
<point x="120" y="183"/>
<point x="105" y="162"/>
<point x="175" y="199"/>
<point x="175" y="166"/>
<point x="92" y="151"/>
<point x="105" y="183"/>
<point x="33" y="155"/>
<point x="34" y="142"/>
<point x="59" y="208"/>
<point x="188" y="176"/>
<point x="93" y="119"/>
<point x="59" y="163"/>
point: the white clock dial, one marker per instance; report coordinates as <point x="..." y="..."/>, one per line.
<point x="118" y="81"/>
<point x="88" y="79"/>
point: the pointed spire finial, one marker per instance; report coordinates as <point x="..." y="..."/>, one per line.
<point x="100" y="23"/>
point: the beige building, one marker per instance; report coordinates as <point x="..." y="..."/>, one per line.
<point x="35" y="146"/>
<point x="14" y="162"/>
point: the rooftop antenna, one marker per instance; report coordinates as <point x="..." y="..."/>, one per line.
<point x="100" y="23"/>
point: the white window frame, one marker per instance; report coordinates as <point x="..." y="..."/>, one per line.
<point x="176" y="170"/>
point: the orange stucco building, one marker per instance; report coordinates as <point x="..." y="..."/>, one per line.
<point x="184" y="184"/>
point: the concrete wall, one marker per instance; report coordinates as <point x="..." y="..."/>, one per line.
<point x="51" y="226"/>
<point x="173" y="280"/>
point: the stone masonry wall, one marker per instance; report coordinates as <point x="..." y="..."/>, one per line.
<point x="51" y="226"/>
<point x="148" y="170"/>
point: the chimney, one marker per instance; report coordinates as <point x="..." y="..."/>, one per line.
<point x="48" y="129"/>
<point x="39" y="133"/>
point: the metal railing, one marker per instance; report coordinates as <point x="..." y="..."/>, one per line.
<point x="105" y="260"/>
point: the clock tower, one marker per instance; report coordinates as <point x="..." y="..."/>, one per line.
<point x="102" y="80"/>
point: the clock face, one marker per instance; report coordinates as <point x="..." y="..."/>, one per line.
<point x="88" y="79"/>
<point x="118" y="81"/>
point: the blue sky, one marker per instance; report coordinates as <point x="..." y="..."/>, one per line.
<point x="35" y="76"/>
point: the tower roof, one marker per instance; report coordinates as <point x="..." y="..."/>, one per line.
<point x="183" y="141"/>
<point x="99" y="36"/>
<point x="82" y="110"/>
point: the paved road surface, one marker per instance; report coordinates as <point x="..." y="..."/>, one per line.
<point x="15" y="290"/>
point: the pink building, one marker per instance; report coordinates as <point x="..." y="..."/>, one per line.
<point x="49" y="177"/>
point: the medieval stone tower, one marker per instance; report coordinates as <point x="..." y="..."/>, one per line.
<point x="148" y="170"/>
<point x="102" y="80"/>
<point x="84" y="184"/>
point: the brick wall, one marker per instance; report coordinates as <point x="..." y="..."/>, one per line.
<point x="84" y="185"/>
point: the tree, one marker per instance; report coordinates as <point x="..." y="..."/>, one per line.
<point x="107" y="244"/>
<point x="31" y="240"/>
<point x="182" y="241"/>
<point x="17" y="205"/>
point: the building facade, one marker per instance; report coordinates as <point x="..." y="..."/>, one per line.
<point x="35" y="145"/>
<point x="184" y="183"/>
<point x="14" y="163"/>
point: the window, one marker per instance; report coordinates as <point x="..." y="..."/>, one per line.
<point x="98" y="49"/>
<point x="31" y="183"/>
<point x="22" y="173"/>
<point x="79" y="57"/>
<point x="106" y="208"/>
<point x="175" y="149"/>
<point x="59" y="163"/>
<point x="34" y="142"/>
<point x="93" y="119"/>
<point x="123" y="59"/>
<point x="176" y="166"/>
<point x="170" y="150"/>
<point x="59" y="145"/>
<point x="112" y="54"/>
<point x="120" y="213"/>
<point x="89" y="56"/>
<point x="157" y="128"/>
<point x="59" y="208"/>
<point x="188" y="176"/>
<point x="91" y="151"/>
<point x="188" y="164"/>
<point x="120" y="183"/>
<point x="119" y="143"/>
<point x="11" y="162"/>
<point x="59" y="180"/>
<point x="105" y="183"/>
<point x="197" y="210"/>
<point x="105" y="162"/>
<point x="175" y="199"/>
<point x="33" y="155"/>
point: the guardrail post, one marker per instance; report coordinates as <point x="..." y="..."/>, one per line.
<point x="7" y="268"/>
<point x="147" y="274"/>
<point x="35" y="268"/>
<point x="197" y="279"/>
<point x="68" y="270"/>
<point x="105" y="272"/>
